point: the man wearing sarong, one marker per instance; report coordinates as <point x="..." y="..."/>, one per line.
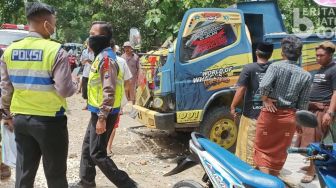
<point x="322" y="102"/>
<point x="284" y="88"/>
<point x="248" y="89"/>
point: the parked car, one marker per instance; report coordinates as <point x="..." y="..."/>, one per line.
<point x="10" y="33"/>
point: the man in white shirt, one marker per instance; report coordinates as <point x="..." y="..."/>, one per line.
<point x="127" y="77"/>
<point x="86" y="60"/>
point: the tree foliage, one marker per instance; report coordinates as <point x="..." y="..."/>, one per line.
<point x="156" y="19"/>
<point x="74" y="17"/>
<point x="287" y="9"/>
<point x="8" y="8"/>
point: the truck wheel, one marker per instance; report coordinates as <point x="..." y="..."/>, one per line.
<point x="218" y="125"/>
<point x="187" y="184"/>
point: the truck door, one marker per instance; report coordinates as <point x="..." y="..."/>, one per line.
<point x="212" y="47"/>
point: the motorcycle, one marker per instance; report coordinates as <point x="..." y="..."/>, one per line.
<point x="323" y="155"/>
<point x="222" y="168"/>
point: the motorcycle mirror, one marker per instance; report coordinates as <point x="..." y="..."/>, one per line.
<point x="306" y="119"/>
<point x="135" y="38"/>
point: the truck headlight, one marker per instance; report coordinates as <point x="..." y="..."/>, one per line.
<point x="157" y="103"/>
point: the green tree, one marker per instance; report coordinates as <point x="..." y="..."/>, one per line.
<point x="8" y="7"/>
<point x="123" y="15"/>
<point x="288" y="7"/>
<point x="156" y="19"/>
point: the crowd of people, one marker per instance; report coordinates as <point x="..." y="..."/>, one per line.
<point x="272" y="93"/>
<point x="34" y="89"/>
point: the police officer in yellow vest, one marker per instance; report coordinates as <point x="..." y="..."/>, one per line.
<point x="35" y="80"/>
<point x="104" y="98"/>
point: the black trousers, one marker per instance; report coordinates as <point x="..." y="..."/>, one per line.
<point x="84" y="87"/>
<point x="38" y="136"/>
<point x="94" y="153"/>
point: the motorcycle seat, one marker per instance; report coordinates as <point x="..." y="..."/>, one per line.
<point x="249" y="176"/>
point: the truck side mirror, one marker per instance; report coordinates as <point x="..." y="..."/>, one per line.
<point x="135" y="38"/>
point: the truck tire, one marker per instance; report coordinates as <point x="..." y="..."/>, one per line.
<point x="187" y="184"/>
<point x="219" y="126"/>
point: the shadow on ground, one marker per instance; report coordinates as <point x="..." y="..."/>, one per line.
<point x="163" y="144"/>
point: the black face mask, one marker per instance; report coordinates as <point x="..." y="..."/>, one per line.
<point x="98" y="43"/>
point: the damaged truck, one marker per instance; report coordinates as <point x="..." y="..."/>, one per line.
<point x="189" y="84"/>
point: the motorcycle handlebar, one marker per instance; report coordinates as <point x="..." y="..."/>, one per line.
<point x="297" y="150"/>
<point x="194" y="137"/>
<point x="322" y="157"/>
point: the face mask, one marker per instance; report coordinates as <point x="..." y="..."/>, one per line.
<point x="98" y="43"/>
<point x="51" y="33"/>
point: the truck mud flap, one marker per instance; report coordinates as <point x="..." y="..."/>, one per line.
<point x="185" y="164"/>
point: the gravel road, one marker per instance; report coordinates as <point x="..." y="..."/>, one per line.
<point x="143" y="153"/>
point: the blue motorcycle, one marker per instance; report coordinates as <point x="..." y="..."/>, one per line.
<point x="323" y="155"/>
<point x="222" y="168"/>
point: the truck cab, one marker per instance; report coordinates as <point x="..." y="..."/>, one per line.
<point x="193" y="81"/>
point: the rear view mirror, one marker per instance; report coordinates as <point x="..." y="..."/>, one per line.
<point x="135" y="38"/>
<point x="305" y="118"/>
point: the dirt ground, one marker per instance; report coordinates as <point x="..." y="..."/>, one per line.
<point x="146" y="155"/>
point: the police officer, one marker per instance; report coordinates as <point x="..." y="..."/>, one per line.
<point x="104" y="98"/>
<point x="5" y="171"/>
<point x="35" y="80"/>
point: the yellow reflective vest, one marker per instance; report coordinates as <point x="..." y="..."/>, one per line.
<point x="29" y="63"/>
<point x="95" y="86"/>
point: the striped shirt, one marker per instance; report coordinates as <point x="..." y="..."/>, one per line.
<point x="287" y="83"/>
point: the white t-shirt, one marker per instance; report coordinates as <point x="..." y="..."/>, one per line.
<point x="86" y="55"/>
<point x="86" y="70"/>
<point x="127" y="76"/>
<point x="125" y="68"/>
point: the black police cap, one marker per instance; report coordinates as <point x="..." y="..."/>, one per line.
<point x="36" y="8"/>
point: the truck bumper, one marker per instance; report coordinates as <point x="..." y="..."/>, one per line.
<point x="156" y="120"/>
